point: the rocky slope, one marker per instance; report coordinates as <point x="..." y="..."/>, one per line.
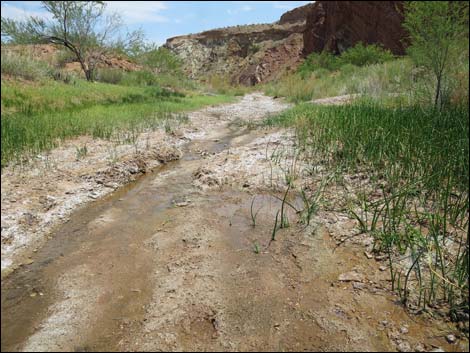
<point x="59" y="57"/>
<point x="338" y="25"/>
<point x="244" y="54"/>
<point x="258" y="53"/>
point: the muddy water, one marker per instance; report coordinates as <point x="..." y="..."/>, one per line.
<point x="104" y="244"/>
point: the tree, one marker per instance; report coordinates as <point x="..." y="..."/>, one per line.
<point x="437" y="30"/>
<point x="82" y="27"/>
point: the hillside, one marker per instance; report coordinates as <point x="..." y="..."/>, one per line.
<point x="253" y="54"/>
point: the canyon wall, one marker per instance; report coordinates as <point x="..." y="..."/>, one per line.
<point x="259" y="53"/>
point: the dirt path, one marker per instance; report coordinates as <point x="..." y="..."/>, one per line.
<point x="173" y="262"/>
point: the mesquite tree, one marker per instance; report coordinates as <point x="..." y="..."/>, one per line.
<point x="439" y="33"/>
<point x="83" y="27"/>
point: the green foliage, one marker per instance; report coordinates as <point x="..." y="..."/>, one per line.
<point x="109" y="75"/>
<point x="315" y="61"/>
<point x="253" y="48"/>
<point x="378" y="81"/>
<point x="140" y="78"/>
<point x="358" y="55"/>
<point x="415" y="199"/>
<point x="24" y="67"/>
<point x="222" y="84"/>
<point x="161" y="60"/>
<point x="362" y="55"/>
<point x="36" y="117"/>
<point x="439" y="34"/>
<point x="82" y="27"/>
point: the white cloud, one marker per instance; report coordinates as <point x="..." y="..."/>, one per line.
<point x="247" y="8"/>
<point x="20" y="11"/>
<point x="135" y="12"/>
<point x="287" y="5"/>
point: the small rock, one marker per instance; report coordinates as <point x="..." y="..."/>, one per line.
<point x="383" y="268"/>
<point x="358" y="285"/>
<point x="351" y="276"/>
<point x="451" y="338"/>
<point x="438" y="349"/>
<point x="368" y="255"/>
<point x="419" y="348"/>
<point x="404" y="330"/>
<point x="404" y="347"/>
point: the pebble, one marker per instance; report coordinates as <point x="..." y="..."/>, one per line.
<point x="451" y="338"/>
<point x="404" y="330"/>
<point x="352" y="276"/>
<point x="419" y="348"/>
<point x="358" y="285"/>
<point x="404" y="347"/>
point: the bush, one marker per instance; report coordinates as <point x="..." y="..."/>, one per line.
<point x="64" y="76"/>
<point x="324" y="60"/>
<point x="347" y="70"/>
<point x="109" y="75"/>
<point x="139" y="78"/>
<point x="24" y="67"/>
<point x="361" y="55"/>
<point x="319" y="73"/>
<point x="161" y="60"/>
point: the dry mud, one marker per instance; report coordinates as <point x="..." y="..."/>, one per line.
<point x="173" y="261"/>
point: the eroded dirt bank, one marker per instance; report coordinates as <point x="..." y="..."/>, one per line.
<point x="174" y="262"/>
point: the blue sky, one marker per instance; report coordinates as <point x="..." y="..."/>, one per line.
<point x="164" y="19"/>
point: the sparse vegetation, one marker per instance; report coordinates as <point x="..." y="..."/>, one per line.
<point x="417" y="166"/>
<point x="81" y="27"/>
<point x="407" y="136"/>
<point x="24" y="67"/>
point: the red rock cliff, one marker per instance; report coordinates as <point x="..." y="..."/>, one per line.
<point x="338" y="25"/>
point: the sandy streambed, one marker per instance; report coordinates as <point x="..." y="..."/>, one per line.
<point x="174" y="262"/>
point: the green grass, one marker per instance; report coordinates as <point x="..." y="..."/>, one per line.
<point x="396" y="80"/>
<point x="416" y="202"/>
<point x="35" y="117"/>
<point x="374" y="80"/>
<point x="25" y="67"/>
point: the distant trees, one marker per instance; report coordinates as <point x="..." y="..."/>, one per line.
<point x="82" y="27"/>
<point x="439" y="33"/>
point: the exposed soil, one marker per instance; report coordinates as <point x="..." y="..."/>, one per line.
<point x="172" y="261"/>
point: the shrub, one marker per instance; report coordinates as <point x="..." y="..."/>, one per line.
<point x="359" y="55"/>
<point x="347" y="70"/>
<point x="24" y="67"/>
<point x="109" y="75"/>
<point x="161" y="60"/>
<point x="319" y="73"/>
<point x="139" y="78"/>
<point x="362" y="55"/>
<point x="64" y="76"/>
<point x="324" y="60"/>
